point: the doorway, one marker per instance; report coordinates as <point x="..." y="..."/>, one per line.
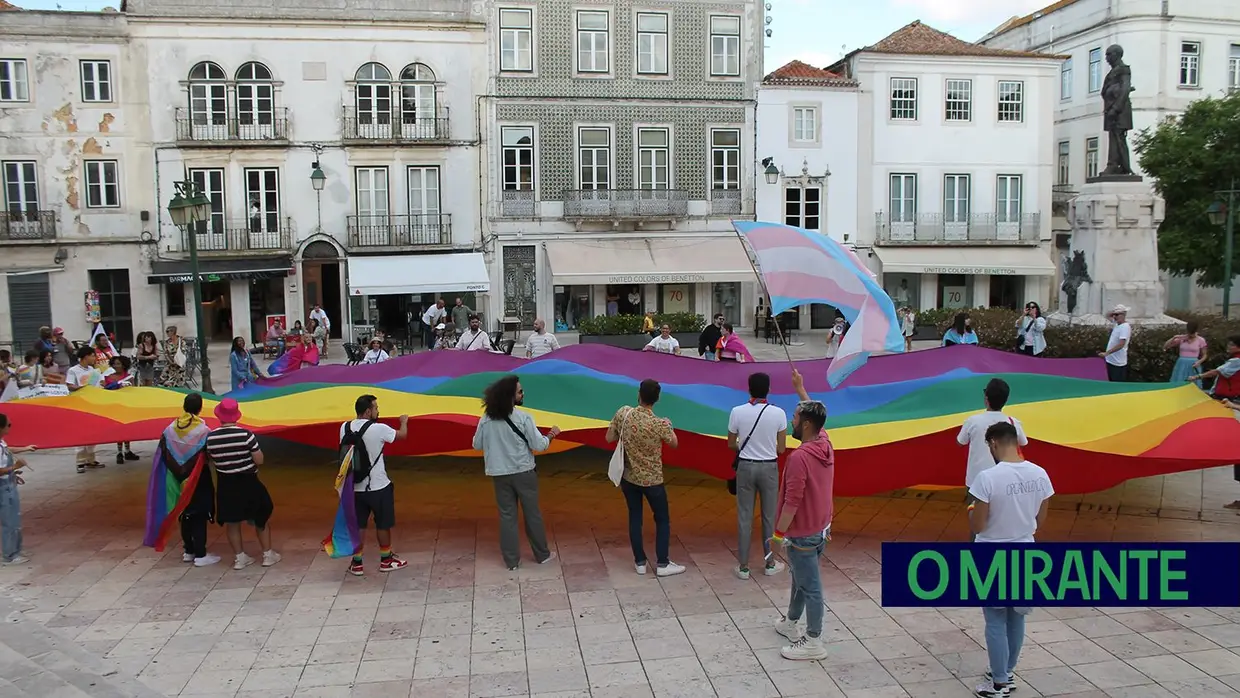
<point x="320" y="282"/>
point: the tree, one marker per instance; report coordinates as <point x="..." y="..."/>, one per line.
<point x="1190" y="157"/>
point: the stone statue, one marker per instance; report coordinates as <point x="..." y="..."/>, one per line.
<point x="1117" y="112"/>
<point x="1075" y="273"/>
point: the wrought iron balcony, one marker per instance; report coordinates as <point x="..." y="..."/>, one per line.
<point x="973" y="229"/>
<point x="517" y="203"/>
<point x="32" y="225"/>
<point x="395" y="125"/>
<point x="404" y="231"/>
<point x="260" y="235"/>
<point x="254" y="129"/>
<point x="726" y="202"/>
<point x="625" y="204"/>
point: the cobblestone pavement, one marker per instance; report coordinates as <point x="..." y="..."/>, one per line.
<point x="457" y="623"/>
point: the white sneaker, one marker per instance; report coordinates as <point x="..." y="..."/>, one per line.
<point x="990" y="690"/>
<point x="806" y="649"/>
<point x="791" y="629"/>
<point x="206" y="560"/>
<point x="641" y="569"/>
<point x="242" y="561"/>
<point x="741" y="572"/>
<point x="549" y="558"/>
<point x="187" y="557"/>
<point x="773" y="568"/>
<point x="670" y="569"/>
<point x="270" y="557"/>
<point x="17" y="560"/>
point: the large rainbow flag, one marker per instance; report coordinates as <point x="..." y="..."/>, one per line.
<point x="893" y="422"/>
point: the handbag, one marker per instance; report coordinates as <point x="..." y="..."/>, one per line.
<point x="736" y="460"/>
<point x="1020" y="336"/>
<point x="179" y="357"/>
<point x="615" y="466"/>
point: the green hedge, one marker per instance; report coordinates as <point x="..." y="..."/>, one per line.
<point x="1147" y="360"/>
<point x="632" y="324"/>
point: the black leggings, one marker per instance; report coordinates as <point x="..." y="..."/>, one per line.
<point x="194" y="534"/>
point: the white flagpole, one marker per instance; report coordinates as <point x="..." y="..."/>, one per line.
<point x="762" y="282"/>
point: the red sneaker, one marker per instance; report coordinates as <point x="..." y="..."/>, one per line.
<point x="391" y="563"/>
<point x="356" y="569"/>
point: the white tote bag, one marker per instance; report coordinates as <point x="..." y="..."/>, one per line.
<point x="615" y="467"/>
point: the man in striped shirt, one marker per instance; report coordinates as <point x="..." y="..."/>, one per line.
<point x="240" y="495"/>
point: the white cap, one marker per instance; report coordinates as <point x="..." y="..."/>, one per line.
<point x="1119" y="310"/>
<point x="440" y="326"/>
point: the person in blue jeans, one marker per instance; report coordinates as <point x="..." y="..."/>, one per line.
<point x="10" y="503"/>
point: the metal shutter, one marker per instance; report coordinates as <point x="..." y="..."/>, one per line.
<point x="30" y="307"/>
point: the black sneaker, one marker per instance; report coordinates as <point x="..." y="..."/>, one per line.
<point x="120" y="458"/>
<point x="130" y="455"/>
<point x="81" y="468"/>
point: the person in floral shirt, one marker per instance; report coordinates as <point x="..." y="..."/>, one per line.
<point x="643" y="434"/>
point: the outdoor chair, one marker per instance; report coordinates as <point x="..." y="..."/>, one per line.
<point x="354" y="354"/>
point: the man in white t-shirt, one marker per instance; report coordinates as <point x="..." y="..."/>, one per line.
<point x="1116" y="354"/>
<point x="433" y="316"/>
<point x="973" y="432"/>
<point x="665" y="343"/>
<point x="80" y="375"/>
<point x="374" y="494"/>
<point x="321" y="316"/>
<point x="541" y="342"/>
<point x="1011" y="501"/>
<point x="758" y="432"/>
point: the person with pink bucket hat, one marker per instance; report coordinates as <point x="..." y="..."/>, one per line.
<point x="240" y="495"/>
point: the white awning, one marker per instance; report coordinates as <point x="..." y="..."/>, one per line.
<point x="992" y="261"/>
<point x="674" y="261"/>
<point x="418" y="273"/>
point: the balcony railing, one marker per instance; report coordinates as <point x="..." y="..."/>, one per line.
<point x="517" y="203"/>
<point x="726" y="202"/>
<point x="262" y="235"/>
<point x="395" y="125"/>
<point x="232" y="128"/>
<point x="973" y="229"/>
<point x="1061" y="196"/>
<point x="27" y="225"/>
<point x="414" y="230"/>
<point x="611" y="204"/>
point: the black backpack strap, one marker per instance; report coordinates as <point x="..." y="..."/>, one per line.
<point x="518" y="432"/>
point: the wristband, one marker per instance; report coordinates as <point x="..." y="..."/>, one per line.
<point x="778" y="537"/>
<point x="971" y="506"/>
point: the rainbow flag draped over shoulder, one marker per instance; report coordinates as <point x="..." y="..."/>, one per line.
<point x="179" y="462"/>
<point x="345" y="538"/>
<point x="298" y="354"/>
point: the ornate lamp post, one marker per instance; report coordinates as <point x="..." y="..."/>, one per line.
<point x="189" y="209"/>
<point x="1224" y="213"/>
<point x="771" y="171"/>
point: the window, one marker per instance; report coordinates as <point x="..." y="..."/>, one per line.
<point x="651" y="44"/>
<point x="1011" y="101"/>
<point x="262" y="191"/>
<point x="1095" y="69"/>
<point x="1065" y="80"/>
<point x="96" y="81"/>
<point x="592" y="42"/>
<point x="959" y="102"/>
<point x="804" y="124"/>
<point x="653" y="152"/>
<point x="256" y="95"/>
<point x="1233" y="68"/>
<point x="174" y="299"/>
<point x="417" y="101"/>
<point x="904" y="99"/>
<point x="725" y="45"/>
<point x="1091" y="158"/>
<point x="424" y="195"/>
<point x="103" y="184"/>
<point x="372" y="195"/>
<point x="725" y="159"/>
<point x="115" y="308"/>
<point x="13" y="84"/>
<point x="956" y="198"/>
<point x="1008" y="195"/>
<point x="208" y="96"/>
<point x="803" y="206"/>
<point x="516" y="40"/>
<point x="21" y="190"/>
<point x="1063" y="166"/>
<point x="594" y="157"/>
<point x="903" y="198"/>
<point x="1190" y="63"/>
<point x="517" y="167"/>
<point x="211" y="181"/>
<point x="374" y="97"/>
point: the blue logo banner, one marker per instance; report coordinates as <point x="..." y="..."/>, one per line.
<point x="1061" y="574"/>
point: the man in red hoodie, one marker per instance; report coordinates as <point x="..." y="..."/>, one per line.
<point x="803" y="524"/>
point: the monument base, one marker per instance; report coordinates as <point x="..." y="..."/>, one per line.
<point x="1062" y="319"/>
<point x="1103" y="178"/>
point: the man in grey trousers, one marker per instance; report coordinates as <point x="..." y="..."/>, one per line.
<point x="758" y="432"/>
<point x="508" y="439"/>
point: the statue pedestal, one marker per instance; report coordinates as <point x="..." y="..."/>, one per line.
<point x="1115" y="225"/>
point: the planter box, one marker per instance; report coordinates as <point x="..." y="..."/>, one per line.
<point x="688" y="342"/>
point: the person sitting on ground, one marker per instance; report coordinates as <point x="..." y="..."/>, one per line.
<point x="961" y="331"/>
<point x="376" y="353"/>
<point x="664" y="343"/>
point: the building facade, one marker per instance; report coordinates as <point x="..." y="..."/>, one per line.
<point x="1179" y="50"/>
<point x="955" y="169"/>
<point x="619" y="145"/>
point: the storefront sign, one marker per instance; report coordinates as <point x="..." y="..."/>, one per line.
<point x="953" y="297"/>
<point x="224" y="276"/>
<point x="675" y="298"/>
<point x="991" y="271"/>
<point x="657" y="279"/>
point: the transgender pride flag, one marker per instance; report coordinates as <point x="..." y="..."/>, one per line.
<point x="801" y="266"/>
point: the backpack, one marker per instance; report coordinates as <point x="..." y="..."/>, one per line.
<point x="353" y="443"/>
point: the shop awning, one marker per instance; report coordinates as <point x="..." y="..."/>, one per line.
<point x="231" y="269"/>
<point x="993" y="261"/>
<point x="675" y="261"/>
<point x="418" y="273"/>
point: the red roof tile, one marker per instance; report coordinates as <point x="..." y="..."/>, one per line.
<point x="800" y="73"/>
<point x="923" y="40"/>
<point x="6" y="6"/>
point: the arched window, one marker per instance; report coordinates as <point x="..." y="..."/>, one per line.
<point x="208" y="100"/>
<point x="255" y="100"/>
<point x="374" y="101"/>
<point x="417" y="101"/>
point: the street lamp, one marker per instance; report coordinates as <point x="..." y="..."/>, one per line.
<point x="188" y="209"/>
<point x="317" y="178"/>
<point x="771" y="171"/>
<point x="1221" y="213"/>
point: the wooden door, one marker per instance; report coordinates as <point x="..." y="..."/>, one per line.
<point x="312" y="287"/>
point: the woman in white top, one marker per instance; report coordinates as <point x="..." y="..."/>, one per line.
<point x="908" y="325"/>
<point x="376" y="354"/>
<point x="1030" y="331"/>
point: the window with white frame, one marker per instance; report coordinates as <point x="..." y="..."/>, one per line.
<point x="424" y="195"/>
<point x="14" y="85"/>
<point x="103" y="184"/>
<point x="904" y="99"/>
<point x="1008" y="198"/>
<point x="211" y="182"/>
<point x="262" y="191"/>
<point x="958" y="100"/>
<point x="1091" y="157"/>
<point x="517" y="159"/>
<point x="1095" y="69"/>
<point x="373" y="99"/>
<point x="1065" y="79"/>
<point x="594" y="158"/>
<point x="256" y="96"/>
<point x="1233" y="68"/>
<point x="1190" y="63"/>
<point x="653" y="155"/>
<point x="652" y="43"/>
<point x="1063" y="165"/>
<point x="1011" y="101"/>
<point x="21" y="189"/>
<point x="903" y="197"/>
<point x="516" y="40"/>
<point x="725" y="158"/>
<point x="592" y="40"/>
<point x="804" y="124"/>
<point x="725" y="45"/>
<point x="208" y="95"/>
<point x="96" y="81"/>
<point x="956" y="190"/>
<point x="803" y="206"/>
<point x="372" y="195"/>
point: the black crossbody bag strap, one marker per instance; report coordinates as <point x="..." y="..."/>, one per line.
<point x="750" y="435"/>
